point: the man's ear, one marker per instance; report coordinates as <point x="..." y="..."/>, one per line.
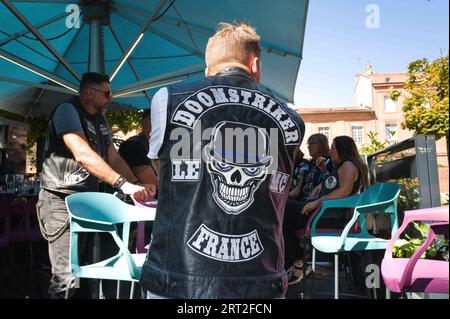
<point x="86" y="92"/>
<point x="206" y="71"/>
<point x="256" y="68"/>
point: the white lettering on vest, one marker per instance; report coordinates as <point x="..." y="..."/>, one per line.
<point x="185" y="170"/>
<point x="191" y="109"/>
<point x="205" y="99"/>
<point x="223" y="247"/>
<point x="278" y="182"/>
<point x="219" y="96"/>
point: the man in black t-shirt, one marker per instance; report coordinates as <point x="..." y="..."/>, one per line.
<point x="134" y="151"/>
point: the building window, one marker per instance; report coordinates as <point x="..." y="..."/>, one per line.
<point x="389" y="105"/>
<point x="391" y="133"/>
<point x="357" y="134"/>
<point x="325" y="131"/>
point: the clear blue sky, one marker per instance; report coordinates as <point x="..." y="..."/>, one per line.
<point x="338" y="44"/>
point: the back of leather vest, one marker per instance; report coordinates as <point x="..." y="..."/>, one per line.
<point x="226" y="163"/>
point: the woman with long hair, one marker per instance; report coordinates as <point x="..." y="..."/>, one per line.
<point x="348" y="177"/>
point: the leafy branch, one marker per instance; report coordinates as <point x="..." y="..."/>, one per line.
<point x="124" y="121"/>
<point x="426" y="103"/>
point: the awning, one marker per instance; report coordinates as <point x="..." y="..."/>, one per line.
<point x="45" y="46"/>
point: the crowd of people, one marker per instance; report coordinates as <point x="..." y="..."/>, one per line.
<point x="228" y="209"/>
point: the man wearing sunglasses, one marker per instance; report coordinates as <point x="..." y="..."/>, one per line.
<point x="79" y="156"/>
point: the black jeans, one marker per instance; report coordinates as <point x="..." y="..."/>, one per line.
<point x="293" y="220"/>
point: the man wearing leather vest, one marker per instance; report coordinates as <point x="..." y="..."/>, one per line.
<point x="79" y="154"/>
<point x="227" y="149"/>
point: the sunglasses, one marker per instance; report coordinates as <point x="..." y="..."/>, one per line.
<point x="107" y="94"/>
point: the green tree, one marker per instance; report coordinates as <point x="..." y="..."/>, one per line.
<point x="425" y="107"/>
<point x="374" y="145"/>
<point x="126" y="121"/>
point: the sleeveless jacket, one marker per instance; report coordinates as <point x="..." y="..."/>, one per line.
<point x="226" y="163"/>
<point x="60" y="172"/>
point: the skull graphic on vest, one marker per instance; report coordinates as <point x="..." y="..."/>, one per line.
<point x="237" y="159"/>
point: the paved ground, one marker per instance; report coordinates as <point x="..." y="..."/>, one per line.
<point x="30" y="280"/>
<point x="352" y="278"/>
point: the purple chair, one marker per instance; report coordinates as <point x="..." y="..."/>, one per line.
<point x="140" y="233"/>
<point x="8" y="283"/>
<point x="25" y="226"/>
<point x="5" y="219"/>
<point x="416" y="274"/>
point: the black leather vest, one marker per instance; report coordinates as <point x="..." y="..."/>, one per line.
<point x="218" y="228"/>
<point x="60" y="171"/>
<point x="331" y="182"/>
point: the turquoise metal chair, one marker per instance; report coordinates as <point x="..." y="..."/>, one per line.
<point x="378" y="198"/>
<point x="102" y="212"/>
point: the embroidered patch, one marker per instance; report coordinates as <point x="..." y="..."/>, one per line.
<point x="330" y="182"/>
<point x="76" y="177"/>
<point x="104" y="129"/>
<point x="224" y="247"/>
<point x="188" y="112"/>
<point x="278" y="182"/>
<point x="237" y="170"/>
<point x="91" y="127"/>
<point x="185" y="170"/>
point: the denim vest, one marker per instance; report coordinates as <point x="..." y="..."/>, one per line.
<point x="218" y="227"/>
<point x="61" y="172"/>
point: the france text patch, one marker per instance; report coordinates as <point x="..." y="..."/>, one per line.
<point x="224" y="247"/>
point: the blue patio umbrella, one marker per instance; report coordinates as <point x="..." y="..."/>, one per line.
<point x="45" y="46"/>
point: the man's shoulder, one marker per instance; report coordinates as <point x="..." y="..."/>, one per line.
<point x="193" y="86"/>
<point x="133" y="141"/>
<point x="130" y="141"/>
<point x="69" y="104"/>
<point x="64" y="110"/>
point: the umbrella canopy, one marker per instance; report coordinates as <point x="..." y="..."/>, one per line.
<point x="45" y="46"/>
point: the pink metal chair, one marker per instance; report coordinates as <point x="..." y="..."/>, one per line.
<point x="416" y="274"/>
